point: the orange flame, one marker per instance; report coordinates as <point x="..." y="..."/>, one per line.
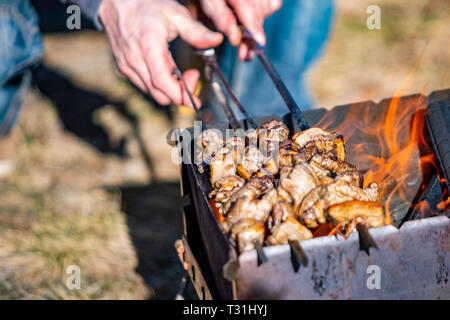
<point x="391" y="147"/>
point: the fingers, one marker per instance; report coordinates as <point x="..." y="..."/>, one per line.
<point x="252" y="13"/>
<point x="134" y="68"/>
<point x="223" y="18"/>
<point x="194" y="33"/>
<point x="251" y="16"/>
<point x="245" y="53"/>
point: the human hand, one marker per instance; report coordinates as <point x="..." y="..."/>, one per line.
<point x="139" y="33"/>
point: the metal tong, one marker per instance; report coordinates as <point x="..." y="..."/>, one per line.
<point x="296" y="112"/>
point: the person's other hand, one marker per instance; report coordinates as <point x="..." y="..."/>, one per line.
<point x="139" y="33"/>
<point x="251" y="13"/>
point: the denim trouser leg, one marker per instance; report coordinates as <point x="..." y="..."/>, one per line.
<point x="295" y="36"/>
<point x="20" y="48"/>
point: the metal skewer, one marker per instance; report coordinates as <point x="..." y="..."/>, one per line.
<point x="365" y="239"/>
<point x="298" y="255"/>
<point x="221" y="97"/>
<point x="262" y="258"/>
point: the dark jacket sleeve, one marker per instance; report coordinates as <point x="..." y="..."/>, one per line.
<point x="89" y="8"/>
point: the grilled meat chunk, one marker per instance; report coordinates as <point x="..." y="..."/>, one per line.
<point x="312" y="209"/>
<point x="331" y="164"/>
<point x="226" y="187"/>
<point x="274" y="130"/>
<point x="252" y="161"/>
<point x="323" y="140"/>
<point x="348" y="214"/>
<point x="289" y="154"/>
<point x="298" y="181"/>
<point x="244" y="207"/>
<point x="246" y="232"/>
<point x="255" y="187"/>
<point x="281" y="210"/>
<point x="208" y="142"/>
<point x="290" y="229"/>
<point x="353" y="177"/>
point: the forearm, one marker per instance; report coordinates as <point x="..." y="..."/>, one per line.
<point x="89" y="8"/>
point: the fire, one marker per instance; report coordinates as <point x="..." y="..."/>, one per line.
<point x="444" y="205"/>
<point x="390" y="145"/>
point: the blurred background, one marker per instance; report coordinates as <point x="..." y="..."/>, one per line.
<point x="102" y="193"/>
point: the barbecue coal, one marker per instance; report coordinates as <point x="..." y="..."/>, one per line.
<point x="276" y="189"/>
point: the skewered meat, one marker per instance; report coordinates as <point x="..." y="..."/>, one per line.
<point x="273" y="130"/>
<point x="348" y="214"/>
<point x="320" y="172"/>
<point x="280" y="212"/>
<point x="255" y="187"/>
<point x="331" y="164"/>
<point x="298" y="181"/>
<point x="245" y="232"/>
<point x="244" y="207"/>
<point x="289" y="154"/>
<point x="252" y="161"/>
<point x="225" y="160"/>
<point x="269" y="135"/>
<point x="323" y="140"/>
<point x="290" y="229"/>
<point x="352" y="176"/>
<point x="290" y="185"/>
<point x="314" y="204"/>
<point x="226" y="187"/>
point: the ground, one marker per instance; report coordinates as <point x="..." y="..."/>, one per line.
<point x="101" y="192"/>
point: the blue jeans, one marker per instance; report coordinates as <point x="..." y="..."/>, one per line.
<point x="20" y="48"/>
<point x="296" y="34"/>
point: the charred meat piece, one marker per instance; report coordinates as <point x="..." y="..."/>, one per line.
<point x="289" y="154"/>
<point x="273" y="130"/>
<point x="353" y="177"/>
<point x="252" y="161"/>
<point x="280" y="212"/>
<point x="269" y="135"/>
<point x="290" y="229"/>
<point x="323" y="140"/>
<point x="298" y="181"/>
<point x="314" y="204"/>
<point x="255" y="187"/>
<point x="327" y="162"/>
<point x="208" y="142"/>
<point x="226" y="187"/>
<point x="225" y="160"/>
<point x="350" y="213"/>
<point x="320" y="172"/>
<point x="245" y="232"/>
<point x="244" y="207"/>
